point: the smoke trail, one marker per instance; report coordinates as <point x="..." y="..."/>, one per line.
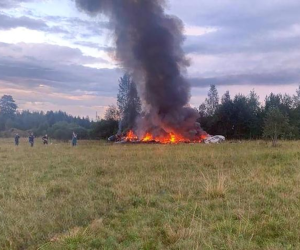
<point x="148" y="45"/>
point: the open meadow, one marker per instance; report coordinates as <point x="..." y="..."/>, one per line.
<point x="186" y="196"/>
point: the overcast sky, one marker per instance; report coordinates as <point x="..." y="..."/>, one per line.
<point x="53" y="57"/>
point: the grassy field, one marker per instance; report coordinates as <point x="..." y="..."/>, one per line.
<point x="105" y="196"/>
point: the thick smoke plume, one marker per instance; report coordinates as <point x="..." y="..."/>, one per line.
<point x="148" y="45"/>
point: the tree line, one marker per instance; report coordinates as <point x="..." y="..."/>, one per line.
<point x="245" y="117"/>
<point x="58" y="125"/>
<point x="238" y="117"/>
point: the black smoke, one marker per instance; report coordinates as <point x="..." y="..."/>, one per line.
<point x="149" y="46"/>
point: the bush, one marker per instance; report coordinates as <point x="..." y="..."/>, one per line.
<point x="63" y="131"/>
<point x="104" y="129"/>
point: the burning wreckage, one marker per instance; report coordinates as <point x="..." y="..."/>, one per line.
<point x="148" y="45"/>
<point x="171" y="138"/>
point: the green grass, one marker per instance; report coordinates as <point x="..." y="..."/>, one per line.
<point x="188" y="196"/>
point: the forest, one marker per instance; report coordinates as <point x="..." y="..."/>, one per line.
<point x="238" y="117"/>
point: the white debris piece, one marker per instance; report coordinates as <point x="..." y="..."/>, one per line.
<point x="214" y="139"/>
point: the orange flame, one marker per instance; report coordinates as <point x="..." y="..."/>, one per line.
<point x="171" y="138"/>
<point x="203" y="137"/>
<point x="131" y="136"/>
<point x="148" y="137"/>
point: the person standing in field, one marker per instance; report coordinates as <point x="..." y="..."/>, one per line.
<point x="74" y="139"/>
<point x="17" y="139"/>
<point x="45" y="139"/>
<point x="31" y="139"/>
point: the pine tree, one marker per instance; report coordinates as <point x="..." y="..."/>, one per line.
<point x="122" y="98"/>
<point x="226" y="97"/>
<point x="224" y="116"/>
<point x="212" y="101"/>
<point x="296" y="98"/>
<point x="129" y="102"/>
<point x="255" y="115"/>
<point x="8" y="107"/>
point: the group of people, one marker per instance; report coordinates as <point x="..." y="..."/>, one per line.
<point x="45" y="139"/>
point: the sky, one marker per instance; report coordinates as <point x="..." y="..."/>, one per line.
<point x="54" y="57"/>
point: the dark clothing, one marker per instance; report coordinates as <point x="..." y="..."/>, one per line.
<point x="45" y="140"/>
<point x="17" y="139"/>
<point x="31" y="140"/>
<point x="74" y="140"/>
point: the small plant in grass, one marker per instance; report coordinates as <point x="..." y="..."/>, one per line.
<point x="215" y="188"/>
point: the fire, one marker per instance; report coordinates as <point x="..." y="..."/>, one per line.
<point x="203" y="137"/>
<point x="131" y="136"/>
<point x="171" y="138"/>
<point x="174" y="138"/>
<point x="148" y="137"/>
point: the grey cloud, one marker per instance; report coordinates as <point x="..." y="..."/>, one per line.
<point x="79" y="27"/>
<point x="242" y="25"/>
<point x="7" y="4"/>
<point x="50" y="54"/>
<point x="225" y="42"/>
<point x="255" y="15"/>
<point x="94" y="45"/>
<point x="56" y="29"/>
<point x="63" y="78"/>
<point x="271" y="79"/>
<point x="10" y="22"/>
<point x="77" y="21"/>
<point x="76" y="26"/>
<point x="29" y="65"/>
<point x="255" y="42"/>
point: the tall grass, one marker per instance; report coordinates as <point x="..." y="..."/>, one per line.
<point x="187" y="196"/>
